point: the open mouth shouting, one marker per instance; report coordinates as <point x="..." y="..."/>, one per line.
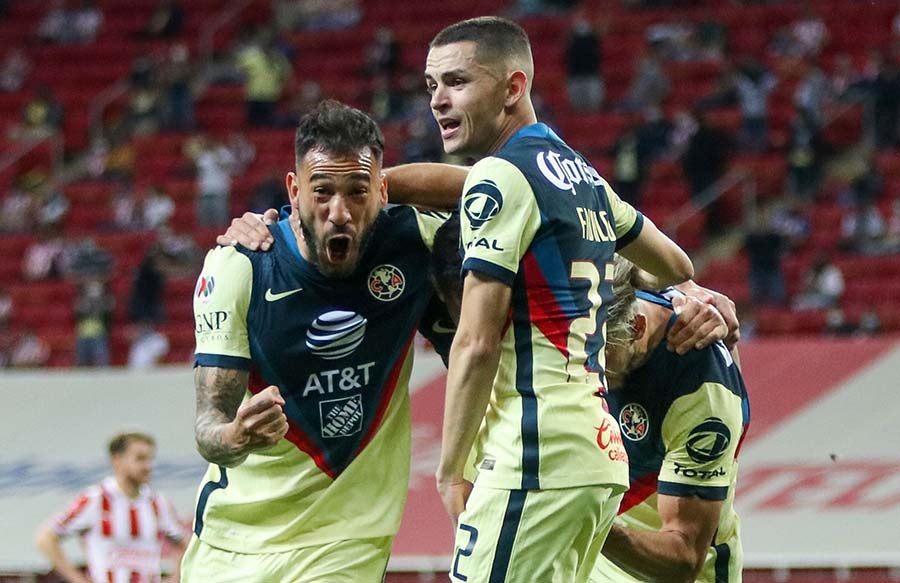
<point x="337" y="248"/>
<point x="449" y="127"/>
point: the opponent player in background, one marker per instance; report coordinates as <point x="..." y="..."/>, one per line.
<point x="302" y="364"/>
<point x="121" y="520"/>
<point x="540" y="228"/>
<point x="682" y="418"/>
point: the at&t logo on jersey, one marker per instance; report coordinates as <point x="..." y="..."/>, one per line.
<point x="708" y="440"/>
<point x="482" y="203"/>
<point x="565" y="173"/>
<point x="634" y="422"/>
<point x="205" y="286"/>
<point x="386" y="282"/>
<point x="335" y="334"/>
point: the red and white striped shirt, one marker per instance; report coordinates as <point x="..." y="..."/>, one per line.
<point x="122" y="536"/>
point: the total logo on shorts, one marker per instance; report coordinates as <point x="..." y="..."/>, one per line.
<point x="386" y="282"/>
<point x="634" y="421"/>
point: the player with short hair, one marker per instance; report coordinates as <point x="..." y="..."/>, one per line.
<point x="121" y="521"/>
<point x="303" y="361"/>
<point x="683" y="418"/>
<point x="539" y="227"/>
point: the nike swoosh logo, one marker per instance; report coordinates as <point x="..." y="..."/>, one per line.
<point x="439" y="328"/>
<point x="270" y="297"/>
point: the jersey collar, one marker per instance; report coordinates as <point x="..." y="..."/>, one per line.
<point x="536" y="130"/>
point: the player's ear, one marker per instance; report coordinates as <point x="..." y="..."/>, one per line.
<point x="384" y="189"/>
<point x="516" y="87"/>
<point x="639" y="325"/>
<point x="293" y="188"/>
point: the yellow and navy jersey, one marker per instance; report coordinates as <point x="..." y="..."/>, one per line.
<point x="683" y="419"/>
<point x="539" y="218"/>
<point x="340" y="351"/>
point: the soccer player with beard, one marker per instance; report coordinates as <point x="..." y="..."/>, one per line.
<point x="302" y="363"/>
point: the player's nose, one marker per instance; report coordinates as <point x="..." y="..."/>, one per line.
<point x="338" y="211"/>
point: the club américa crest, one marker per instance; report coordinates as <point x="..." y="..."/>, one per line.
<point x="386" y="282"/>
<point x="634" y="422"/>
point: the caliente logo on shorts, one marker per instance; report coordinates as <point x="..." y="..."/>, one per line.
<point x="634" y="422"/>
<point x="386" y="282"/>
<point x="482" y="203"/>
<point x="336" y="334"/>
<point x="708" y="440"/>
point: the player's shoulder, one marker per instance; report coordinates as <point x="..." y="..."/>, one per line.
<point x="409" y="228"/>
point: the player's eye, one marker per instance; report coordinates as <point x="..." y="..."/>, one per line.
<point x="430" y="88"/>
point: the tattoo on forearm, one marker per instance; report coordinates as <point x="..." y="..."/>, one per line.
<point x="219" y="394"/>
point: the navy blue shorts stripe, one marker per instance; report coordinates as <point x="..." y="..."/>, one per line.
<point x="508" y="530"/>
<point x="525" y="387"/>
<point x="208" y="489"/>
<point x="723" y="557"/>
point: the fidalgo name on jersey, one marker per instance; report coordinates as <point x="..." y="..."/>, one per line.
<point x="595" y="225"/>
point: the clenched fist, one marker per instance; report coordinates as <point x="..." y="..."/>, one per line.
<point x="260" y="422"/>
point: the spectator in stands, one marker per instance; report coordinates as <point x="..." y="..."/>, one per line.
<point x="423" y="142"/>
<point x="121" y="159"/>
<point x="792" y="221"/>
<point x="166" y="21"/>
<point x="804" y="159"/>
<point x="42" y="116"/>
<point x="18" y="210"/>
<point x="305" y="100"/>
<point x="809" y="34"/>
<point x="53" y="206"/>
<point x="811" y="95"/>
<point x="170" y="256"/>
<point x="844" y="78"/>
<point x="886" y="106"/>
<point x="836" y="323"/>
<point x="157" y="208"/>
<point x="144" y="111"/>
<point x="584" y="64"/>
<point x="14" y="70"/>
<point x="628" y="166"/>
<point x="45" y="258"/>
<point x="863" y="229"/>
<point x="87" y="261"/>
<point x="753" y="84"/>
<point x="266" y="74"/>
<point x="57" y="26"/>
<point x="705" y="161"/>
<point x="765" y="247"/>
<point x="314" y="15"/>
<point x="93" y="318"/>
<point x="823" y="285"/>
<point x="148" y="347"/>
<point x="6" y="308"/>
<point x="384" y="55"/>
<point x="270" y="193"/>
<point x="868" y="186"/>
<point x="650" y="84"/>
<point x="385" y="104"/>
<point x="27" y="350"/>
<point x="215" y="165"/>
<point x="177" y="78"/>
<point x="87" y="21"/>
<point x="892" y="237"/>
<point x="124" y="203"/>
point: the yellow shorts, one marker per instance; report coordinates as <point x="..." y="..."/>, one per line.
<point x="525" y="536"/>
<point x="349" y="561"/>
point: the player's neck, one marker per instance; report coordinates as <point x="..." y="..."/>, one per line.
<point x="523" y="116"/>
<point x="128" y="487"/>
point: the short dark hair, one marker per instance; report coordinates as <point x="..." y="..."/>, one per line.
<point x="496" y="38"/>
<point x="118" y="443"/>
<point x="337" y="129"/>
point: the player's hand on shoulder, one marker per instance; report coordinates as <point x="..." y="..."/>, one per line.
<point x="722" y="303"/>
<point x="698" y="325"/>
<point x="260" y="422"/>
<point x="250" y="231"/>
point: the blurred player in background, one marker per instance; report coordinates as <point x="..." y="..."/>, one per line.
<point x="121" y="520"/>
<point x="683" y="418"/>
<point x="539" y="228"/>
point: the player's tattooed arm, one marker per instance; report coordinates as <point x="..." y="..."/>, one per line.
<point x="226" y="430"/>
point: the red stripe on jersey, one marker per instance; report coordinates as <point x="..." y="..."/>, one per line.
<point x="639" y="491"/>
<point x="386" y="395"/>
<point x="294" y="434"/>
<point x="75" y="509"/>
<point x="106" y="522"/>
<point x="543" y="308"/>
<point x="135" y="525"/>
